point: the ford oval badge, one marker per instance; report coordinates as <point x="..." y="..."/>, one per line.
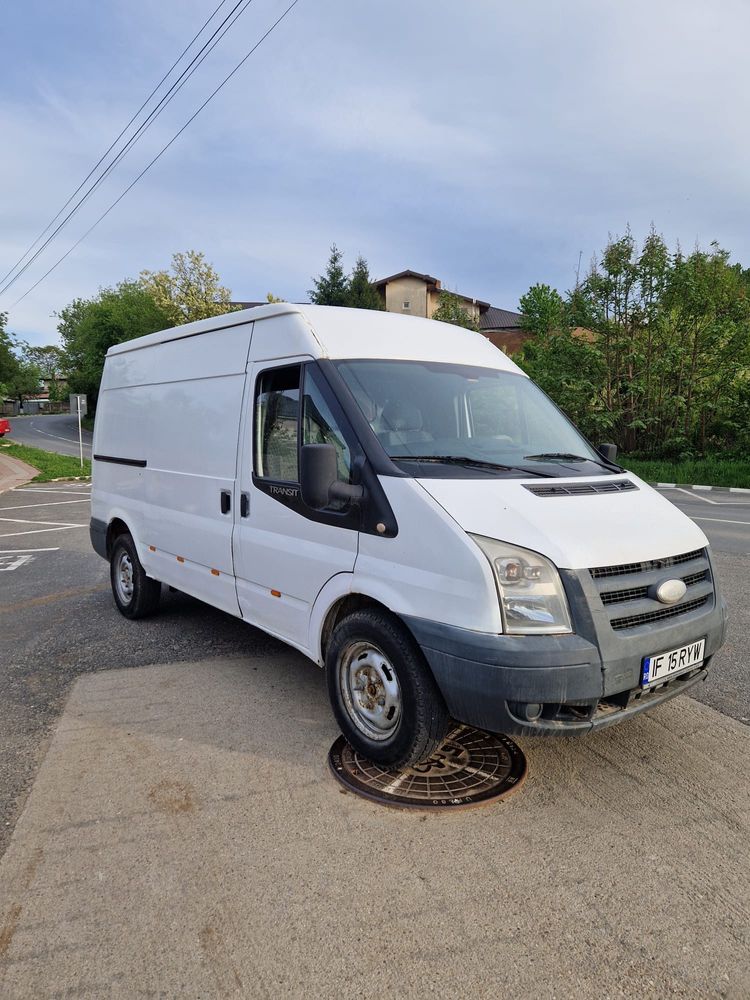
<point x="671" y="591"/>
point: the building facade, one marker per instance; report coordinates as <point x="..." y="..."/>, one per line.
<point x="413" y="294"/>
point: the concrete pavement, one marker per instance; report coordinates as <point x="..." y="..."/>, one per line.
<point x="13" y="473"/>
<point x="184" y="839"/>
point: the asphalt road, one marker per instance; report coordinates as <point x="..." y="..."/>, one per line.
<point x="723" y="516"/>
<point x="56" y="432"/>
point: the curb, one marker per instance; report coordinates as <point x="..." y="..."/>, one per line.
<point x="701" y="489"/>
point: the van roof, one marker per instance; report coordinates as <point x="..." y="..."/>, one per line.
<point x="338" y="332"/>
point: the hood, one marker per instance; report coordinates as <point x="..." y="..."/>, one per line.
<point x="575" y="532"/>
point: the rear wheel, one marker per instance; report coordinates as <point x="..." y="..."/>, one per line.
<point x="382" y="692"/>
<point x="136" y="595"/>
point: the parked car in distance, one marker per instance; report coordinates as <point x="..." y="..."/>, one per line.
<point x="395" y="498"/>
<point x="4" y="427"/>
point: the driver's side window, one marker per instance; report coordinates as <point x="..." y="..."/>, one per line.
<point x="277" y="424"/>
<point x="319" y="426"/>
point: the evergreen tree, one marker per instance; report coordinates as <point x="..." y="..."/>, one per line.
<point x="362" y="293"/>
<point x="331" y="287"/>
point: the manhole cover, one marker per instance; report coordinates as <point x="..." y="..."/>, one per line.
<point x="470" y="767"/>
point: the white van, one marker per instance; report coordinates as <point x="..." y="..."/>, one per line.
<point x="396" y="499"/>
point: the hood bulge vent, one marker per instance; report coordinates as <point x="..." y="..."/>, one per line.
<point x="581" y="489"/>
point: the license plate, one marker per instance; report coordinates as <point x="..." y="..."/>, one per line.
<point x="663" y="665"/>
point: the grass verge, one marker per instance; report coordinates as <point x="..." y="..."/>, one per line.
<point x="699" y="471"/>
<point x="50" y="465"/>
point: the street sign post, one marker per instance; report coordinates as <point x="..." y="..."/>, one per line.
<point x="78" y="404"/>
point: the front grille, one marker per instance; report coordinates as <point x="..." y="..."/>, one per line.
<point x="602" y="571"/>
<point x="627" y="591"/>
<point x="636" y="593"/>
<point x="633" y="621"/>
<point x="582" y="489"/>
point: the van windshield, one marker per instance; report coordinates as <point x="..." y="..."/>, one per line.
<point x="458" y="420"/>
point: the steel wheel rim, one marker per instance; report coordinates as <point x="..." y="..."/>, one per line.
<point x="124" y="578"/>
<point x="370" y="690"/>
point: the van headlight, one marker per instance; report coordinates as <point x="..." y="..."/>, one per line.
<point x="532" y="599"/>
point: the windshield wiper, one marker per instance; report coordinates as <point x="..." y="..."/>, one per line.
<point x="564" y="455"/>
<point x="466" y="460"/>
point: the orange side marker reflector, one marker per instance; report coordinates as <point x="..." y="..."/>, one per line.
<point x="275" y="593"/>
<point x="215" y="572"/>
<point x="180" y="559"/>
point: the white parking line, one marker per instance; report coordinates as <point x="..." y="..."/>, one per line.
<point x="41" y="531"/>
<point x="5" y="552"/>
<point x="722" y="520"/>
<point x="49" y="503"/>
<point x="9" y="563"/>
<point x="22" y="520"/>
<point x="696" y="496"/>
<point x="73" y="492"/>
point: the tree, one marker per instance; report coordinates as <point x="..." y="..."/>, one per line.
<point x="25" y="382"/>
<point x="362" y="293"/>
<point x="332" y="287"/>
<point x="89" y="327"/>
<point x="19" y="376"/>
<point x="49" y="359"/>
<point x="451" y="310"/>
<point x="544" y="311"/>
<point x="189" y="290"/>
<point x="666" y="366"/>
<point x="8" y="359"/>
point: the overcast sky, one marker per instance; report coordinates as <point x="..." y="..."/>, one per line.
<point x="484" y="142"/>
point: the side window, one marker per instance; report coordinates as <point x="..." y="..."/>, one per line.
<point x="319" y="426"/>
<point x="277" y="423"/>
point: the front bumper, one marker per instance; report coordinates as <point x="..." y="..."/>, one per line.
<point x="581" y="682"/>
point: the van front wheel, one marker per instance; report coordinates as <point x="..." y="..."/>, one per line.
<point x="382" y="692"/>
<point x="136" y="595"/>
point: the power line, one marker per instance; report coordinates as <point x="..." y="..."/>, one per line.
<point x="175" y="88"/>
<point x="114" y="142"/>
<point x="161" y="152"/>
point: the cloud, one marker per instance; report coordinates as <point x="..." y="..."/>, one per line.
<point x="488" y="144"/>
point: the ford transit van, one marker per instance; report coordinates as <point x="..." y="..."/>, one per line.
<point x="396" y="499"/>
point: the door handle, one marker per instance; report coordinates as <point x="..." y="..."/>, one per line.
<point x="244" y="504"/>
<point x="226" y="501"/>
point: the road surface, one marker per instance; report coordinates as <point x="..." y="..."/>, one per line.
<point x="56" y="432"/>
<point x="724" y="517"/>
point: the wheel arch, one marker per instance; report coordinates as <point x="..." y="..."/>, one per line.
<point x="344" y="606"/>
<point x="333" y="605"/>
<point x="116" y="527"/>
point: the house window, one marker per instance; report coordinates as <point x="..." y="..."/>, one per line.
<point x="407" y="305"/>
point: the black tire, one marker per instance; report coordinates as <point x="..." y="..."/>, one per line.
<point x="374" y="644"/>
<point x="136" y="595"/>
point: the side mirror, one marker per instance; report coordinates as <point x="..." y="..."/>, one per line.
<point x="319" y="478"/>
<point x="608" y="452"/>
